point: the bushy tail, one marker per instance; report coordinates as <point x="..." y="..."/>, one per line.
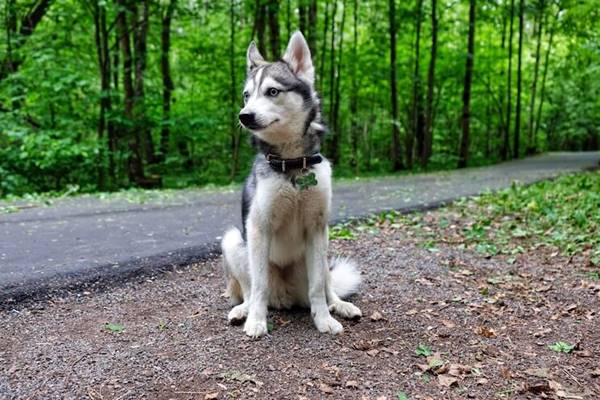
<point x="345" y="277"/>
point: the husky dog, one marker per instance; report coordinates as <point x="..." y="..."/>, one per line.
<point x="279" y="259"/>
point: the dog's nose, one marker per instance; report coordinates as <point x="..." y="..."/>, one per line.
<point x="248" y="119"/>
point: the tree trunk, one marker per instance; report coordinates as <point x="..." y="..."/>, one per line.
<point x="321" y="77"/>
<point x="288" y="18"/>
<point x="332" y="64"/>
<point x="302" y="16"/>
<point x="506" y="140"/>
<point x="273" y="17"/>
<point x="337" y="130"/>
<point x="463" y="157"/>
<point x="396" y="151"/>
<point x="532" y="141"/>
<point x="135" y="167"/>
<point x="354" y="96"/>
<point x="233" y="127"/>
<point x="140" y="40"/>
<point x="11" y="62"/>
<point x="519" y="82"/>
<point x="312" y="28"/>
<point x="259" y="23"/>
<point x="416" y="112"/>
<point x="544" y="74"/>
<point x="428" y="131"/>
<point x="165" y="68"/>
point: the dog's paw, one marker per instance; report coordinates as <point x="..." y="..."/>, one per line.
<point x="345" y="310"/>
<point x="238" y="314"/>
<point x="328" y="324"/>
<point x="255" y="328"/>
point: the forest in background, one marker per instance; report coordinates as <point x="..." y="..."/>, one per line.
<point x="98" y="95"/>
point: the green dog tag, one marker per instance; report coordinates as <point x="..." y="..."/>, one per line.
<point x="306" y="181"/>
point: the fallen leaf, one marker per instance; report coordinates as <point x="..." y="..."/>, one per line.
<point x="325" y="388"/>
<point x="459" y="370"/>
<point x="482" y="381"/>
<point x="583" y="353"/>
<point x="446" y="380"/>
<point x="211" y="396"/>
<point x="485" y="331"/>
<point x="537" y="372"/>
<point x="352" y="384"/>
<point x="373" y="352"/>
<point x="448" y="324"/>
<point x="596" y="373"/>
<point x="376" y="316"/>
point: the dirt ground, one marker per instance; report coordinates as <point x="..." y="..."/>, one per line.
<point x="482" y="328"/>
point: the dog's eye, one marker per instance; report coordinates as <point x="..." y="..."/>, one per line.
<point x="246" y="96"/>
<point x="272" y="92"/>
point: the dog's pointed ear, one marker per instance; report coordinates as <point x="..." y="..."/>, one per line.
<point x="297" y="56"/>
<point x="253" y="57"/>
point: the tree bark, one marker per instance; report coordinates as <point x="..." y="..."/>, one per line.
<point x="140" y="40"/>
<point x="463" y="157"/>
<point x="167" y="81"/>
<point x="354" y="95"/>
<point x="516" y="151"/>
<point x="416" y="112"/>
<point x="135" y="167"/>
<point x="312" y="28"/>
<point x="506" y="139"/>
<point x="273" y="17"/>
<point x="10" y="63"/>
<point x="396" y="151"/>
<point x="332" y="63"/>
<point x="235" y="132"/>
<point x="321" y="77"/>
<point x="302" y="16"/>
<point x="259" y="23"/>
<point x="532" y="139"/>
<point x="337" y="130"/>
<point x="428" y="131"/>
<point x="544" y="74"/>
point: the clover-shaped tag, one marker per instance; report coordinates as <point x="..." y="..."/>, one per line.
<point x="306" y="181"/>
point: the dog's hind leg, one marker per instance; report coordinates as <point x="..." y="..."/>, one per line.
<point x="235" y="261"/>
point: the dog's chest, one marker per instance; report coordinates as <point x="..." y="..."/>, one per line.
<point x="293" y="214"/>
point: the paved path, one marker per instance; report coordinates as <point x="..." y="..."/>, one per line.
<point x="89" y="238"/>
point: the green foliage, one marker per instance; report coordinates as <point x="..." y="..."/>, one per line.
<point x="423" y="351"/>
<point x="562" y="347"/>
<point x="114" y="328"/>
<point x="49" y="105"/>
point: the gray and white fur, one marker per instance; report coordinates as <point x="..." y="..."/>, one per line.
<point x="279" y="259"/>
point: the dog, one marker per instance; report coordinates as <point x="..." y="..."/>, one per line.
<point x="279" y="259"/>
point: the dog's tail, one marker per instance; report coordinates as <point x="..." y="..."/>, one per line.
<point x="345" y="277"/>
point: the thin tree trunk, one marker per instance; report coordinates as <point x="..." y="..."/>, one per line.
<point x="165" y="68"/>
<point x="273" y="17"/>
<point x="396" y="151"/>
<point x="312" y="28"/>
<point x="354" y="95"/>
<point x="288" y="18"/>
<point x="506" y="142"/>
<point x="463" y="157"/>
<point x="428" y="139"/>
<point x="135" y="167"/>
<point x="337" y="135"/>
<point x="544" y="74"/>
<point x="302" y="16"/>
<point x="260" y="27"/>
<point x="235" y="132"/>
<point x="140" y="39"/>
<point x="532" y="142"/>
<point x="321" y="77"/>
<point x="332" y="63"/>
<point x="10" y="63"/>
<point x="101" y="165"/>
<point x="416" y="126"/>
<point x="519" y="82"/>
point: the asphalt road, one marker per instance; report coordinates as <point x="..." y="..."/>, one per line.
<point x="84" y="240"/>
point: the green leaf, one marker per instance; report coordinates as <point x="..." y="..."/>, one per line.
<point x="423" y="351"/>
<point x="402" y="396"/>
<point x="114" y="328"/>
<point x="562" y="347"/>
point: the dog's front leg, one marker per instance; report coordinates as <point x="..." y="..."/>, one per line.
<point x="259" y="240"/>
<point x="316" y="266"/>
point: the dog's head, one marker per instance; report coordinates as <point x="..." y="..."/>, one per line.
<point x="280" y="101"/>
